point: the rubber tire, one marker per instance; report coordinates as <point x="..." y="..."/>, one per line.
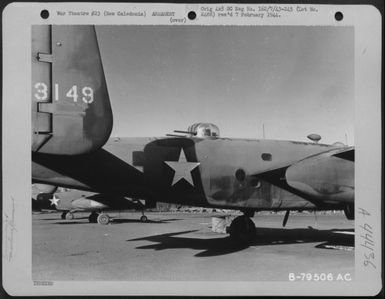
<point x="103" y="219"/>
<point x="242" y="229"/>
<point x="143" y="219"/>
<point x="70" y="216"/>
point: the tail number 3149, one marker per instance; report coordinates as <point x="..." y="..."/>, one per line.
<point x="87" y="93"/>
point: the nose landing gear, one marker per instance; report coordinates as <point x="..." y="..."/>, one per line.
<point x="141" y="206"/>
<point x="143" y="218"/>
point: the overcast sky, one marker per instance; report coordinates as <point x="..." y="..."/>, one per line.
<point x="295" y="80"/>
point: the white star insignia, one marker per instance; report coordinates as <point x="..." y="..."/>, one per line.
<point x="182" y="169"/>
<point x="54" y="200"/>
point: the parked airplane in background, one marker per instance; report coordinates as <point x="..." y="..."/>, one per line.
<point x="44" y="197"/>
<point x="71" y="147"/>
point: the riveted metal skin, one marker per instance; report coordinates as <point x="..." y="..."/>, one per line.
<point x="72" y="121"/>
<point x="139" y="167"/>
<point x="71" y="107"/>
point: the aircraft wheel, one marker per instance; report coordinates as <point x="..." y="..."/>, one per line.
<point x="242" y="229"/>
<point x="69" y="216"/>
<point x="103" y="219"/>
<point x="93" y="217"/>
<point x="143" y="218"/>
<point x="63" y="215"/>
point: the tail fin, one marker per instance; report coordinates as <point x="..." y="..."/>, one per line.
<point x="71" y="111"/>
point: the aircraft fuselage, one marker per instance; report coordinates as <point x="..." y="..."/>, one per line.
<point x="218" y="172"/>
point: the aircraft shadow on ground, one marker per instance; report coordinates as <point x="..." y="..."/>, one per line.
<point x="122" y="220"/>
<point x="67" y="222"/>
<point x="58" y="218"/>
<point x="264" y="237"/>
<point x="114" y="221"/>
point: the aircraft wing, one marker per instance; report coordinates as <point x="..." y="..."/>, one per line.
<point x="327" y="177"/>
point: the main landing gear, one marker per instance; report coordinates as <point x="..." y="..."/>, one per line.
<point x="67" y="215"/>
<point x="143" y="218"/>
<point x="242" y="229"/>
<point x="100" y="218"/>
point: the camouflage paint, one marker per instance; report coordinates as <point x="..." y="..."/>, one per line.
<point x="66" y="70"/>
<point x="136" y="167"/>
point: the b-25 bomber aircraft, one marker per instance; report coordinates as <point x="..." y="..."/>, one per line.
<point x="71" y="147"/>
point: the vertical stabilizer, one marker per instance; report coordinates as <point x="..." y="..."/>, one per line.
<point x="71" y="111"/>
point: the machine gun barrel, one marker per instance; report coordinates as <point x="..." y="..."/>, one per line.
<point x="185" y="132"/>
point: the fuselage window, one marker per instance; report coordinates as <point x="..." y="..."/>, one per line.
<point x="266" y="157"/>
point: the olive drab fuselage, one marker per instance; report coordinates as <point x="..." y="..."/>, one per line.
<point x="219" y="172"/>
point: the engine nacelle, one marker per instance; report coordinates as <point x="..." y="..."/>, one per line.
<point x="44" y="188"/>
<point x="42" y="192"/>
<point x="41" y="196"/>
<point x="87" y="204"/>
<point x="325" y="177"/>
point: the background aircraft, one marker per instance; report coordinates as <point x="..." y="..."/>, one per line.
<point x="45" y="197"/>
<point x="71" y="147"/>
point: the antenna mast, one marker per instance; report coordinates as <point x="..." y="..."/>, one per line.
<point x="263" y="129"/>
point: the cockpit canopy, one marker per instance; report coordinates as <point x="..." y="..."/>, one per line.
<point x="204" y="130"/>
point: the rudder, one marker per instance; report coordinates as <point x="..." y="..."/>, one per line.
<point x="71" y="111"/>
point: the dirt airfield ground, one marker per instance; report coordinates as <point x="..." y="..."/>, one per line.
<point x="181" y="246"/>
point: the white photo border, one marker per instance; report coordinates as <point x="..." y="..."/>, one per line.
<point x="17" y="21"/>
